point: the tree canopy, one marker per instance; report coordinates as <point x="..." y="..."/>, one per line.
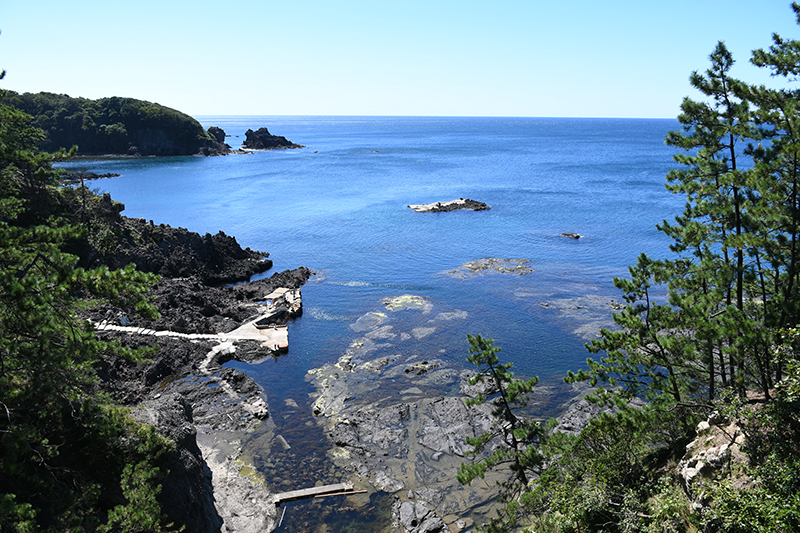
<point x="69" y="459"/>
<point x="723" y="341"/>
<point x="112" y="125"/>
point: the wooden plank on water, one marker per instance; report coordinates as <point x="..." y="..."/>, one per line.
<point x="313" y="491"/>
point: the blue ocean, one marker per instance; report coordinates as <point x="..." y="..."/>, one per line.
<point x="339" y="207"/>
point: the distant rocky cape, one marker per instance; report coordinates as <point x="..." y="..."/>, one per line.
<point x="124" y="126"/>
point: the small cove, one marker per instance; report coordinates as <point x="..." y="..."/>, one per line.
<point x="338" y="207"/>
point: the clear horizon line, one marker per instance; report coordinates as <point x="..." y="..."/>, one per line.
<point x="425" y="116"/>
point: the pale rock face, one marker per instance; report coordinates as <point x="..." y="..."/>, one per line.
<point x="710" y="453"/>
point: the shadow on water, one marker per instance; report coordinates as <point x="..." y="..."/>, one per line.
<point x="353" y="514"/>
<point x="294" y="456"/>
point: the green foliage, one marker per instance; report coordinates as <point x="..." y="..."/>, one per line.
<point x="610" y="477"/>
<point x="67" y="457"/>
<point x="518" y="437"/>
<point x="733" y="284"/>
<point x="140" y="487"/>
<point x="724" y="331"/>
<point x="765" y="493"/>
<point x="111" y="125"/>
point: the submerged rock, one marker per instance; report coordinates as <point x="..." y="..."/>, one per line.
<point x="517" y="267"/>
<point x="407" y="301"/>
<point x="412" y="440"/>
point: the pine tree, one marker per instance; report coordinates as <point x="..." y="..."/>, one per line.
<point x="732" y="285"/>
<point x="518" y="437"/>
<point x="62" y="444"/>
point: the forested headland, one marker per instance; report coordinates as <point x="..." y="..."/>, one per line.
<point x="115" y="125"/>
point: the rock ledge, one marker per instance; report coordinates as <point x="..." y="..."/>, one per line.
<point x="440" y="207"/>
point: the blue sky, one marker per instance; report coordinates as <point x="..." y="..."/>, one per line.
<point x="613" y="58"/>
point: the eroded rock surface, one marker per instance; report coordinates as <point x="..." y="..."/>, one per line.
<point x="399" y="446"/>
<point x="517" y="267"/>
<point x="390" y="425"/>
<point x="453" y="205"/>
<point x="262" y="139"/>
<point x="183" y="390"/>
<point x="397" y="419"/>
<point x="172" y="252"/>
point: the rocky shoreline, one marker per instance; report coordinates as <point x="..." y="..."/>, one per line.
<point x="182" y="389"/>
<point x="397" y="421"/>
<point x="394" y="424"/>
<point x="186" y="393"/>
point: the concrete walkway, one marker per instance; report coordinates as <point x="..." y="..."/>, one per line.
<point x="274" y="337"/>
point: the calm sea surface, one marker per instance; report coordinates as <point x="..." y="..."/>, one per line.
<point x="339" y="207"/>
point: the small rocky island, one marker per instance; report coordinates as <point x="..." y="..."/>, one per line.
<point x="262" y="139"/>
<point x="440" y="207"/>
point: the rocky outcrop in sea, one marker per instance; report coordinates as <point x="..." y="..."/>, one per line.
<point x="453" y="205"/>
<point x="262" y="139"/>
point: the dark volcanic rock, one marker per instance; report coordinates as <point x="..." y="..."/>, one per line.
<point x="130" y="383"/>
<point x="218" y="133"/>
<point x="177" y="253"/>
<point x="217" y="146"/>
<point x="262" y="139"/>
<point x="116" y="241"/>
<point x="186" y="495"/>
<point x="186" y="305"/>
<point x="260" y="288"/>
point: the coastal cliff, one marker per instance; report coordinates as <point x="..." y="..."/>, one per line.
<point x="203" y="489"/>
